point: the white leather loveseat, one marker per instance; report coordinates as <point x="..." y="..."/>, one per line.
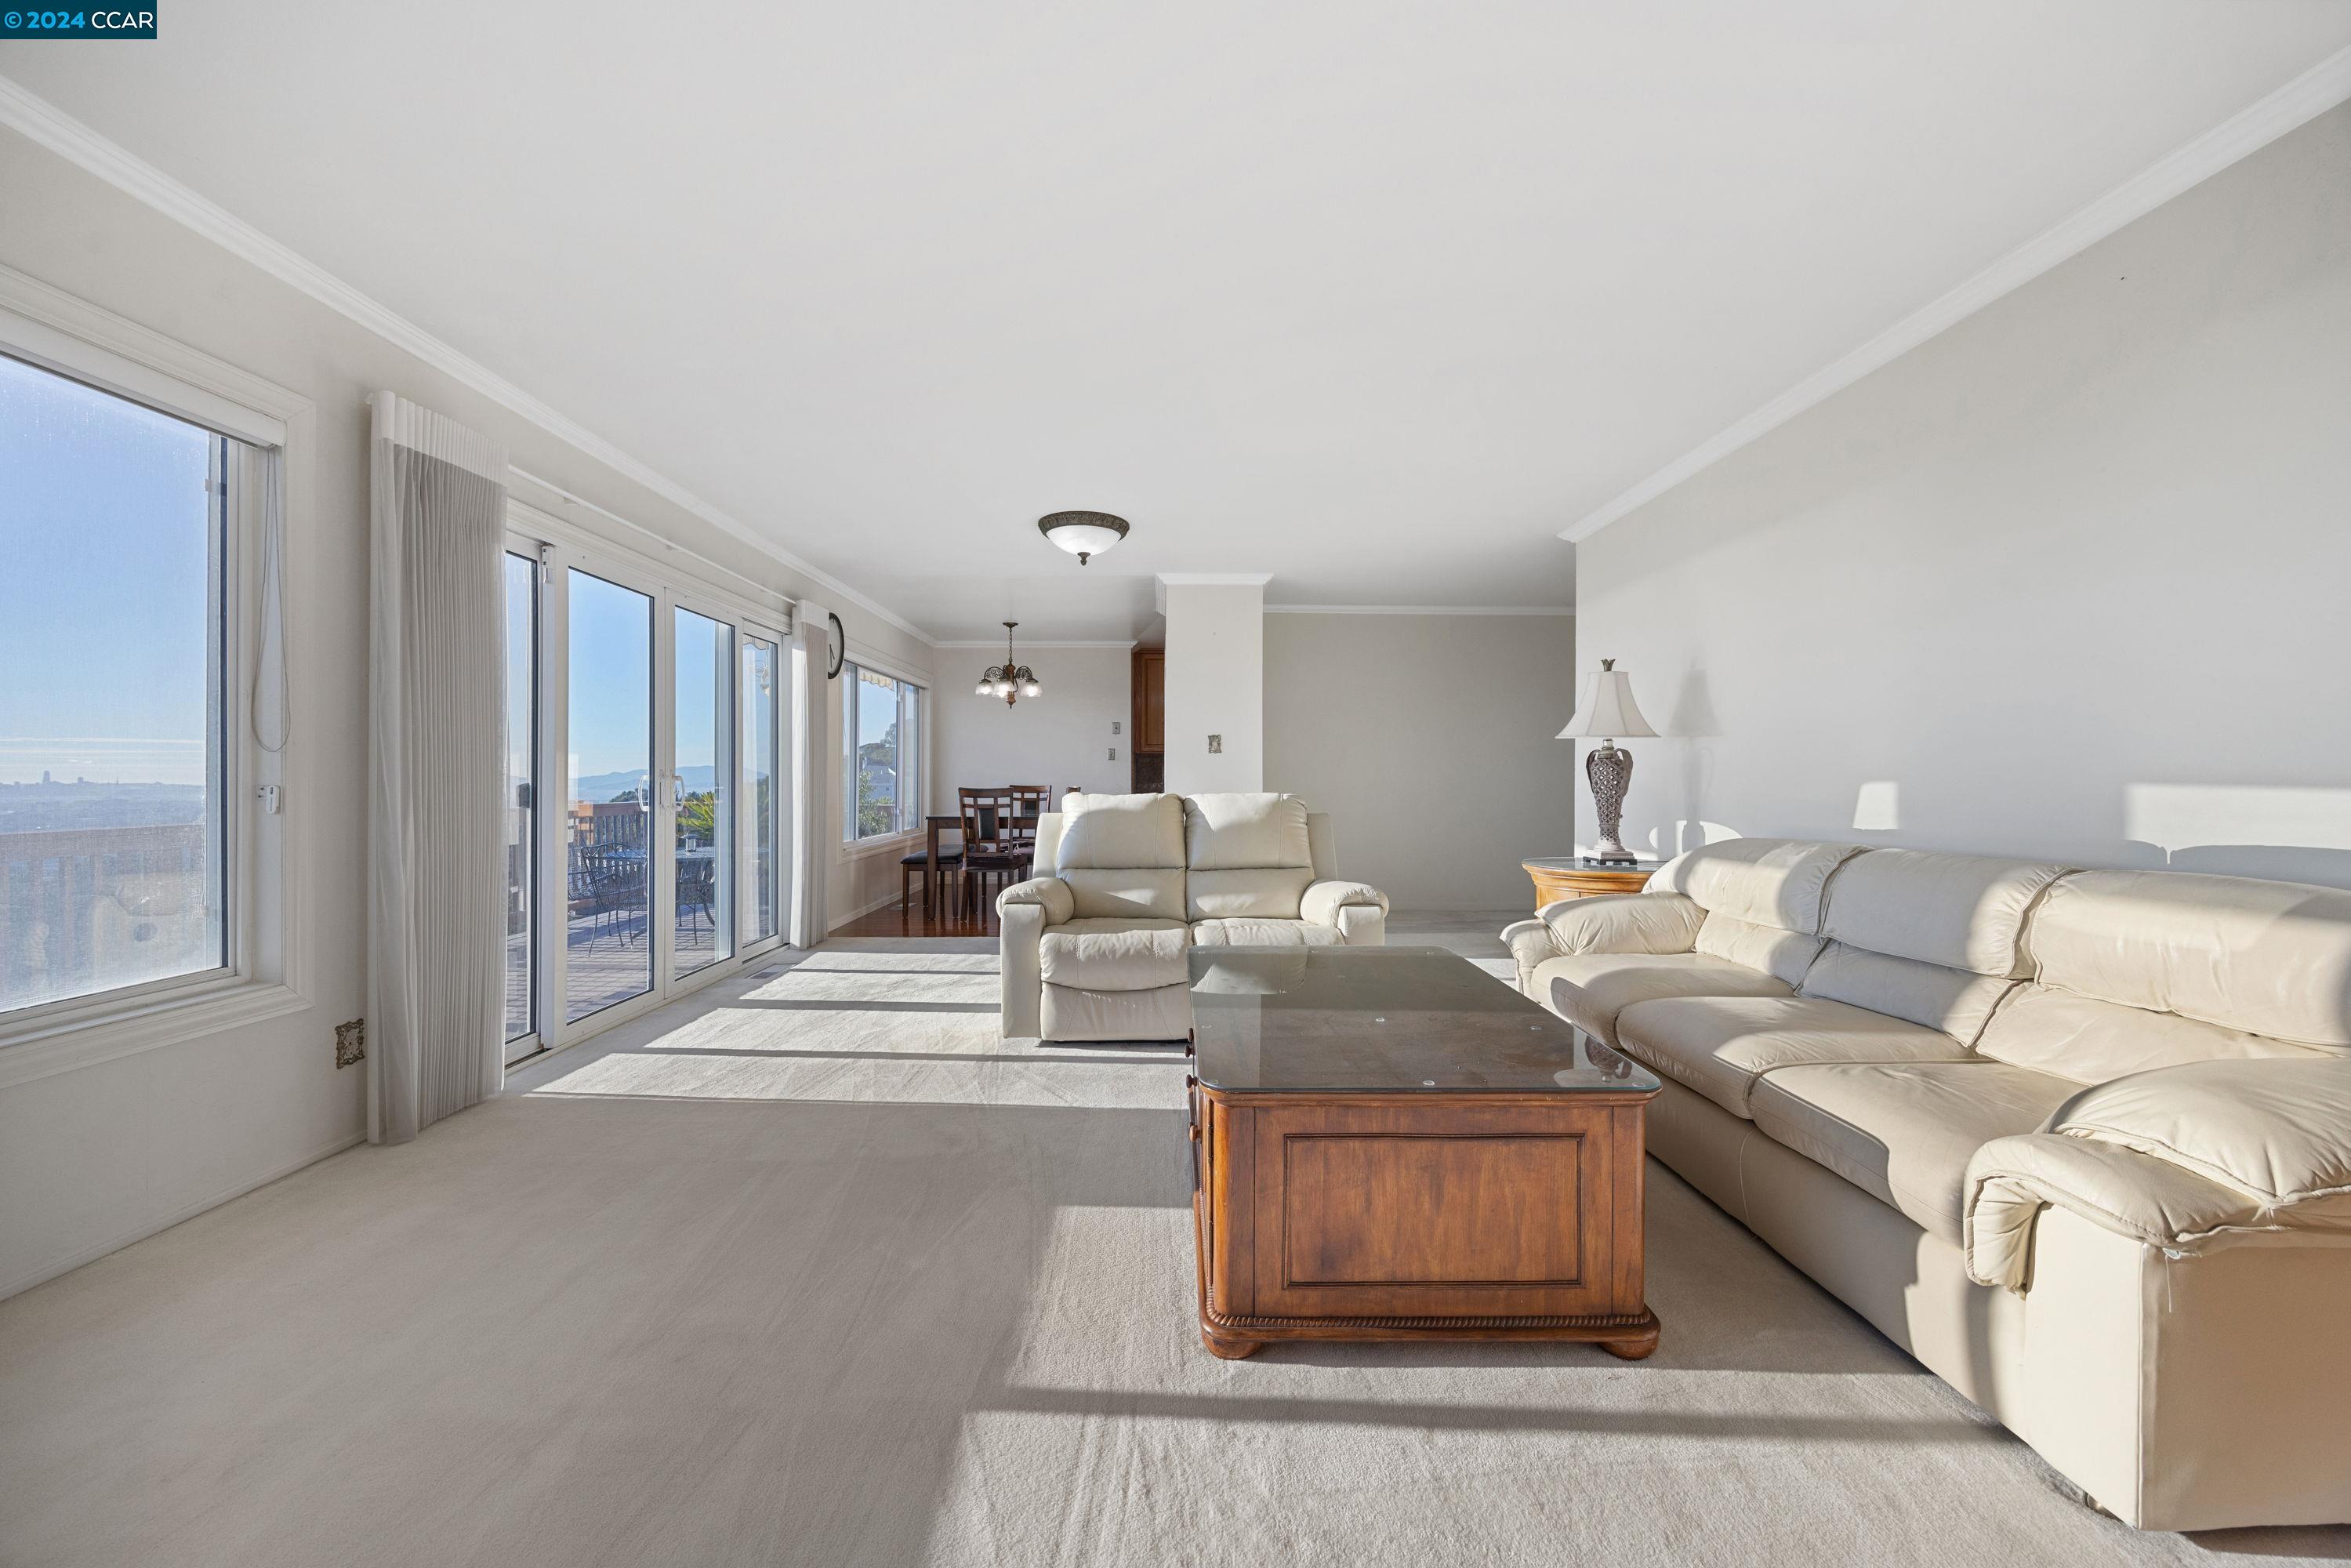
<point x="2079" y="1141"/>
<point x="1096" y="949"/>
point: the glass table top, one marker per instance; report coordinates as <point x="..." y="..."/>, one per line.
<point x="1386" y="1021"/>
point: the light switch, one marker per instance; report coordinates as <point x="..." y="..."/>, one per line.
<point x="1113" y="726"/>
<point x="1216" y="743"/>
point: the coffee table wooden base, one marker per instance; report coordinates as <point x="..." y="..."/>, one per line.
<point x="1447" y="1217"/>
<point x="1628" y="1339"/>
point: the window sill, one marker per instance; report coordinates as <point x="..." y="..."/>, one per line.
<point x="888" y="844"/>
<point x="85" y="1039"/>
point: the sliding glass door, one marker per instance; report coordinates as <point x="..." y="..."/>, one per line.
<point x="660" y="712"/>
<point x="762" y="793"/>
<point x="609" y="949"/>
<point x="702" y="792"/>
<point x="521" y="804"/>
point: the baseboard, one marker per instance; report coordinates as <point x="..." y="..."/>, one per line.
<point x="838" y="921"/>
<point x="48" y="1271"/>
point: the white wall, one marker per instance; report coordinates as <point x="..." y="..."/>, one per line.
<point x="1062" y="738"/>
<point x="1216" y="685"/>
<point x="1428" y="739"/>
<point x="2069" y="581"/>
<point x="97" y="1156"/>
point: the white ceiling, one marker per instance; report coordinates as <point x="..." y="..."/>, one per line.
<point x="1373" y="298"/>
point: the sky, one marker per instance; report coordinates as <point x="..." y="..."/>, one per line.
<point x="101" y="672"/>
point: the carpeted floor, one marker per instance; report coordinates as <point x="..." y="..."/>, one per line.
<point x="812" y="1269"/>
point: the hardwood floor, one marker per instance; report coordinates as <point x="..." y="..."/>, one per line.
<point x="897" y="921"/>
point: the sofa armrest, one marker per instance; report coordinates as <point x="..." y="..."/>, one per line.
<point x="1324" y="902"/>
<point x="1049" y="894"/>
<point x="1529" y="944"/>
<point x="1023" y="911"/>
<point x="2188" y="1158"/>
<point x="1623" y="923"/>
<point x="2011" y="1180"/>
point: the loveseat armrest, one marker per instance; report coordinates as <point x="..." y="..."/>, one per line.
<point x="2188" y="1158"/>
<point x="1023" y="911"/>
<point x="1359" y="911"/>
<point x="1049" y="894"/>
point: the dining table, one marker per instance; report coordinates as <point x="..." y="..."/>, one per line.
<point x="951" y="821"/>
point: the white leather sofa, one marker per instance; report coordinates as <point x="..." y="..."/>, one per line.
<point x="1096" y="950"/>
<point x="2079" y="1141"/>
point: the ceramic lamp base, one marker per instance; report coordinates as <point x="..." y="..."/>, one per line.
<point x="1609" y="767"/>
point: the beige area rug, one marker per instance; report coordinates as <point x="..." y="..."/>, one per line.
<point x="815" y="1269"/>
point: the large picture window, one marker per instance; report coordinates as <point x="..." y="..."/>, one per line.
<point x="114" y="753"/>
<point x="881" y="727"/>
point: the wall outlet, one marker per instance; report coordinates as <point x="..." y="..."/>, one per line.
<point x="1113" y="754"/>
<point x="350" y="1043"/>
<point x="1216" y="743"/>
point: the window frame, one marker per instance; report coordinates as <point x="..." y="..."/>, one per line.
<point x="265" y="974"/>
<point x="913" y="717"/>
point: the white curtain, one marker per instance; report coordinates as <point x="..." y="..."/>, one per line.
<point x="812" y="826"/>
<point x="436" y="855"/>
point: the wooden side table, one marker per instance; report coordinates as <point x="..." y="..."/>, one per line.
<point x="1566" y="877"/>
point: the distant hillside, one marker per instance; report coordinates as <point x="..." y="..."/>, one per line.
<point x="598" y="787"/>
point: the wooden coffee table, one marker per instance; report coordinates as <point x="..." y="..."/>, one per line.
<point x="1390" y="1143"/>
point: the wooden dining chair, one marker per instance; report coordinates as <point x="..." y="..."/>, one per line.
<point x="950" y="861"/>
<point x="1000" y="835"/>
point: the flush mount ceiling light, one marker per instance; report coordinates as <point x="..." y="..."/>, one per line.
<point x="1009" y="680"/>
<point x="1082" y="533"/>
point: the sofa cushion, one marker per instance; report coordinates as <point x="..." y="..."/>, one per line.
<point x="2263" y="957"/>
<point x="1955" y="1001"/>
<point x="1241" y="833"/>
<point x="1903" y="1131"/>
<point x="1784" y="955"/>
<point x="2091" y="1042"/>
<point x="1071" y="1012"/>
<point x="1589" y="989"/>
<point x="1268" y="892"/>
<point x="1114" y="954"/>
<point x="1265" y="933"/>
<point x="1720" y="1046"/>
<point x="1137" y="893"/>
<point x="1118" y="833"/>
<point x="1763" y="882"/>
<point x="1962" y="912"/>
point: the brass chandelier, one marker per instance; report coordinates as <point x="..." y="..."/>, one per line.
<point x="1009" y="680"/>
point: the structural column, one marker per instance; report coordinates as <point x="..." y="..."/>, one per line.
<point x="1216" y="681"/>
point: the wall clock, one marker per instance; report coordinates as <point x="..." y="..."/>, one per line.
<point x="837" y="640"/>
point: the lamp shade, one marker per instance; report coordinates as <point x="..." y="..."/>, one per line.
<point x="1607" y="711"/>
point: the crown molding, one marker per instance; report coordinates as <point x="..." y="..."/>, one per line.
<point x="1420" y="609"/>
<point x="43" y="123"/>
<point x="2307" y="96"/>
<point x="1215" y="579"/>
<point x="1038" y="642"/>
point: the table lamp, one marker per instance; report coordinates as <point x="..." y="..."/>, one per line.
<point x="1606" y="712"/>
